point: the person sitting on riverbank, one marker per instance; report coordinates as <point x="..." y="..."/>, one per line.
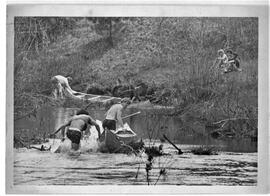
<point x="61" y="83"/>
<point x="222" y="60"/>
<point x="234" y="60"/>
<point x="76" y="125"/>
<point x="113" y="115"/>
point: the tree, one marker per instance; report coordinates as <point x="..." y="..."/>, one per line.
<point x="105" y="26"/>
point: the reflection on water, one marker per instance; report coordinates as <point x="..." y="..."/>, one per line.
<point x="32" y="167"/>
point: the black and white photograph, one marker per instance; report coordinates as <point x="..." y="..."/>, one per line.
<point x="120" y="99"/>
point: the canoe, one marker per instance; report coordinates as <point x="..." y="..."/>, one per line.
<point x="102" y="99"/>
<point x="112" y="141"/>
<point x="105" y="100"/>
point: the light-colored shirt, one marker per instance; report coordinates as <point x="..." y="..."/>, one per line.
<point x="63" y="81"/>
<point x="115" y="112"/>
<point x="223" y="59"/>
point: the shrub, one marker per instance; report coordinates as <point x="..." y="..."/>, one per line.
<point x="205" y="150"/>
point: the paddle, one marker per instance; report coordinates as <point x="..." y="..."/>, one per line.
<point x="53" y="135"/>
<point x="179" y="150"/>
<point x="58" y="149"/>
<point x="131" y="115"/>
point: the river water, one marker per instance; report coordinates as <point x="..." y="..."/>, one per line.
<point x="235" y="164"/>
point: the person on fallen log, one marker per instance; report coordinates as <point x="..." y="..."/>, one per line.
<point x="61" y="83"/>
<point x="76" y="125"/>
<point x="114" y="115"/>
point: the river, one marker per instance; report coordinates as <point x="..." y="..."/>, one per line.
<point x="235" y="164"/>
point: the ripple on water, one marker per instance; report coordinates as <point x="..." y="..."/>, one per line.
<point x="45" y="168"/>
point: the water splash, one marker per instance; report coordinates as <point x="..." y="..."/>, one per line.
<point x="87" y="145"/>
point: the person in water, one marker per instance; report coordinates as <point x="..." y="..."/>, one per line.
<point x="114" y="114"/>
<point x="61" y="83"/>
<point x="76" y="125"/>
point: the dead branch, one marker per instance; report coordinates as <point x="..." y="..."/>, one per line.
<point x="232" y="119"/>
<point x="20" y="141"/>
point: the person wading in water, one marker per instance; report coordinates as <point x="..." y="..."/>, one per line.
<point x="61" y="83"/>
<point x="76" y="125"/>
<point x="114" y="114"/>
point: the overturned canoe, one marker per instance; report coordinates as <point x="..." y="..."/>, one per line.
<point x="106" y="101"/>
<point x="91" y="98"/>
<point x="62" y="88"/>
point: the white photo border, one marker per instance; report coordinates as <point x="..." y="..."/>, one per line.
<point x="146" y="10"/>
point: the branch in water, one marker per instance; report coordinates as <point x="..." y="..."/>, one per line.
<point x="228" y="119"/>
